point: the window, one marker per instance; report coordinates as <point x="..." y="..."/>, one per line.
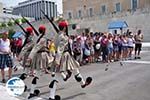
<point x="79" y="13"/>
<point x="70" y="15"/>
<point x="91" y="12"/>
<point x="134" y="4"/>
<point x="118" y="7"/>
<point x="103" y="9"/>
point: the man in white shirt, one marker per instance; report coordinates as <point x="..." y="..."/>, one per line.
<point x="5" y="57"/>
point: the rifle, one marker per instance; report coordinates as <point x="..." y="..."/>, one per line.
<point x="26" y="34"/>
<point x="20" y="27"/>
<point x="36" y="32"/>
<point x="55" y="27"/>
<point x="31" y="26"/>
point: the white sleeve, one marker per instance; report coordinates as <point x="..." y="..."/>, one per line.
<point x="36" y="48"/>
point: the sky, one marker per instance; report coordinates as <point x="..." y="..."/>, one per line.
<point x="15" y="2"/>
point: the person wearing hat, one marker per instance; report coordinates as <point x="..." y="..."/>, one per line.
<point x="39" y="58"/>
<point x="65" y="60"/>
<point x="5" y="56"/>
<point x="26" y="49"/>
<point x="40" y="51"/>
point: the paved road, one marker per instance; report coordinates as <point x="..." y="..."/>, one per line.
<point x="128" y="82"/>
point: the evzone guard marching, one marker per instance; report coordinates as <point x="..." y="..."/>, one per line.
<point x="35" y="58"/>
<point x="64" y="59"/>
<point x="39" y="59"/>
<point x="26" y="49"/>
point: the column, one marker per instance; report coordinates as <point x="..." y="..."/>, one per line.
<point x="53" y="9"/>
<point x="35" y="10"/>
<point x="38" y="10"/>
<point x="45" y="7"/>
<point x="56" y="10"/>
<point x="50" y="11"/>
<point x="47" y="10"/>
<point x="40" y="3"/>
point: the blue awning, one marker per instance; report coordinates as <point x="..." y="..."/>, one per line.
<point x="117" y="25"/>
<point x="17" y="35"/>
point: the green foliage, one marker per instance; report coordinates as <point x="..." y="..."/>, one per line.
<point x="17" y="20"/>
<point x="10" y="23"/>
<point x="3" y="24"/>
<point x="23" y="20"/>
<point x="11" y="33"/>
<point x="0" y="25"/>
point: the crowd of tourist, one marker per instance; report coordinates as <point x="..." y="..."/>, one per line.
<point x="104" y="47"/>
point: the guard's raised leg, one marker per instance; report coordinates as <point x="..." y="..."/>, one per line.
<point x="80" y="79"/>
<point x="34" y="92"/>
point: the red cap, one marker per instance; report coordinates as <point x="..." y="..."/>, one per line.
<point x="63" y="24"/>
<point x="29" y="29"/>
<point x="42" y="28"/>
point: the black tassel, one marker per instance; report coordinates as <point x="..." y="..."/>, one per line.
<point x="51" y="85"/>
<point x="34" y="81"/>
<point x="78" y="79"/>
<point x="23" y="76"/>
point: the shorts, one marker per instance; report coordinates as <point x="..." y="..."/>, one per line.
<point x="120" y="49"/>
<point x="116" y="49"/>
<point x="5" y="60"/>
<point x="130" y="47"/>
<point x="124" y="48"/>
<point x="138" y="47"/>
<point x="110" y="50"/>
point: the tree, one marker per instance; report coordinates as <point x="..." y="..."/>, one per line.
<point x="10" y="23"/>
<point x="17" y="20"/>
<point x="0" y="25"/>
<point x="11" y="33"/>
<point x="3" y="24"/>
<point x="23" y="20"/>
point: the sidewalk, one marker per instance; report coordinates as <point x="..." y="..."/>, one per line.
<point x="4" y="95"/>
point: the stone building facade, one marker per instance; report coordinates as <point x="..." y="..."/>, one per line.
<point x="74" y="9"/>
<point x="1" y="7"/>
<point x="96" y="15"/>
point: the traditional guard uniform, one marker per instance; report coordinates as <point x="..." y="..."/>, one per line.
<point x="26" y="50"/>
<point x="64" y="58"/>
<point x="39" y="59"/>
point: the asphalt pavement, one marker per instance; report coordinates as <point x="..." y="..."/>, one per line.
<point x="128" y="82"/>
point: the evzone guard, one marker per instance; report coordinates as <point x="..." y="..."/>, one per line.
<point x="26" y="49"/>
<point x="39" y="60"/>
<point x="64" y="59"/>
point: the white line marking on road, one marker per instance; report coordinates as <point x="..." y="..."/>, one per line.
<point x="137" y="62"/>
<point x="145" y="44"/>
